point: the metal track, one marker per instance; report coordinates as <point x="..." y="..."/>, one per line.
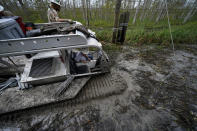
<point x="98" y="87"/>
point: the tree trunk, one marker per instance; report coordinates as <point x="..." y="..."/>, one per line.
<point x="189" y="14"/>
<point x="137" y="10"/>
<point x="84" y="10"/>
<point x="74" y="9"/>
<point x="161" y="6"/>
<point x="183" y="12"/>
<point x="153" y="10"/>
<point x="133" y="4"/>
<point x="90" y="10"/>
<point x="102" y="9"/>
<point x="194" y="12"/>
<point x="148" y="7"/>
<point x="87" y="14"/>
<point x="21" y="3"/>
<point x="24" y="9"/>
<point x="117" y="14"/>
<point x="143" y="10"/>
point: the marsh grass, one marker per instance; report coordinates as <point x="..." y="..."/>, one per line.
<point x="186" y="33"/>
<point x="142" y="32"/>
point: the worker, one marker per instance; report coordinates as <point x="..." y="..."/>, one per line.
<point x="53" y="10"/>
<point x="4" y="13"/>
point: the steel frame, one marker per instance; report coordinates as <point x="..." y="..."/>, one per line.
<point x="31" y="45"/>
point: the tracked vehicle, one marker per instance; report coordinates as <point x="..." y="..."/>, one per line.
<point x="57" y="52"/>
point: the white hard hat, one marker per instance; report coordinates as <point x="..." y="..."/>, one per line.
<point x="58" y="2"/>
<point x="1" y="8"/>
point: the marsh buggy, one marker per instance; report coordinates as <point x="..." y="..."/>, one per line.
<point x="57" y="52"/>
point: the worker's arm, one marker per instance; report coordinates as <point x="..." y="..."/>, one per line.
<point x="53" y="17"/>
<point x="64" y="20"/>
<point x="8" y="13"/>
<point x="86" y="56"/>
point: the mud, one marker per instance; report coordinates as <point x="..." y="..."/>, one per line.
<point x="161" y="95"/>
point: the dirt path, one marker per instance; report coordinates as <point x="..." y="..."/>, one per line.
<point x="161" y="95"/>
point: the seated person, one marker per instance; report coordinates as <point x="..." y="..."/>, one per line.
<point x="80" y="57"/>
<point x="52" y="12"/>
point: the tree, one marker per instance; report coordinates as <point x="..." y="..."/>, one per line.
<point x="137" y="10"/>
<point x="117" y="14"/>
<point x="84" y="10"/>
<point x="189" y="14"/>
<point x="87" y="14"/>
<point x="162" y="10"/>
<point x="143" y="10"/>
<point x="74" y="9"/>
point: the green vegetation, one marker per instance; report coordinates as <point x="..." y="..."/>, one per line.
<point x="145" y="32"/>
<point x="140" y="34"/>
